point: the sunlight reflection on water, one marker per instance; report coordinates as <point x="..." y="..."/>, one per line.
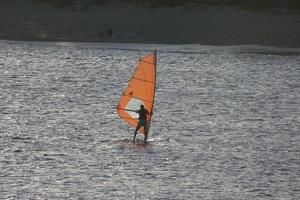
<point x="225" y="124"/>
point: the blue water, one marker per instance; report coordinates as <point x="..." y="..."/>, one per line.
<point x="225" y="126"/>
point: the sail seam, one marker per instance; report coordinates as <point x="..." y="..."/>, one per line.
<point x="146" y="62"/>
<point x="129" y="118"/>
<point x="137" y="98"/>
<point x="142" y="80"/>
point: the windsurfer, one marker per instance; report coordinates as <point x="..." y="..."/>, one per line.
<point x="142" y="122"/>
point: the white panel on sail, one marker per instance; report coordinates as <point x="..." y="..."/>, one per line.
<point x="134" y="104"/>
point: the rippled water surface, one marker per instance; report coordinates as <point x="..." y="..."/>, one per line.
<point x="225" y="126"/>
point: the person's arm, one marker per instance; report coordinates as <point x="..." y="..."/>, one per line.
<point x="127" y="109"/>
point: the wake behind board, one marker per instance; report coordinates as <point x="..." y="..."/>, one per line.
<point x="140" y="142"/>
<point x="127" y="143"/>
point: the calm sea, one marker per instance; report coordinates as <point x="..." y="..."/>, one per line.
<point x="226" y="123"/>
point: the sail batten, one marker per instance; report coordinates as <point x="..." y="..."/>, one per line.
<point x="139" y="91"/>
<point x="141" y="60"/>
<point x="137" y="98"/>
<point x="143" y="80"/>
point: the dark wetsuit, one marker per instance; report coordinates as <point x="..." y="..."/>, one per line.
<point x="142" y="122"/>
<point x="142" y="119"/>
<point x="142" y="114"/>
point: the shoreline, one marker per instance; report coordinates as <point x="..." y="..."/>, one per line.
<point x="217" y="26"/>
<point x="170" y="48"/>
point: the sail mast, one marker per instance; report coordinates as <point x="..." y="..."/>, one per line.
<point x="155" y="63"/>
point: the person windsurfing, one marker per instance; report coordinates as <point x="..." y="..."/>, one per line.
<point x="142" y="122"/>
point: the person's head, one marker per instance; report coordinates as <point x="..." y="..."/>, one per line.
<point x="142" y="107"/>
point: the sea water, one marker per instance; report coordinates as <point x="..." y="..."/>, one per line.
<point x="226" y="123"/>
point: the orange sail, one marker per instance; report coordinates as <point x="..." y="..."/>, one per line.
<point x="140" y="90"/>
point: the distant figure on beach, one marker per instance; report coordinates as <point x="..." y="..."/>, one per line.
<point x="109" y="32"/>
<point x="106" y="33"/>
<point x="80" y="5"/>
<point x="142" y="122"/>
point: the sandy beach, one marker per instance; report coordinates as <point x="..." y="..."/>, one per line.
<point x="23" y="20"/>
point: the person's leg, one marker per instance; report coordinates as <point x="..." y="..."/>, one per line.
<point x="146" y="136"/>
<point x="136" y="130"/>
<point x="145" y="131"/>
